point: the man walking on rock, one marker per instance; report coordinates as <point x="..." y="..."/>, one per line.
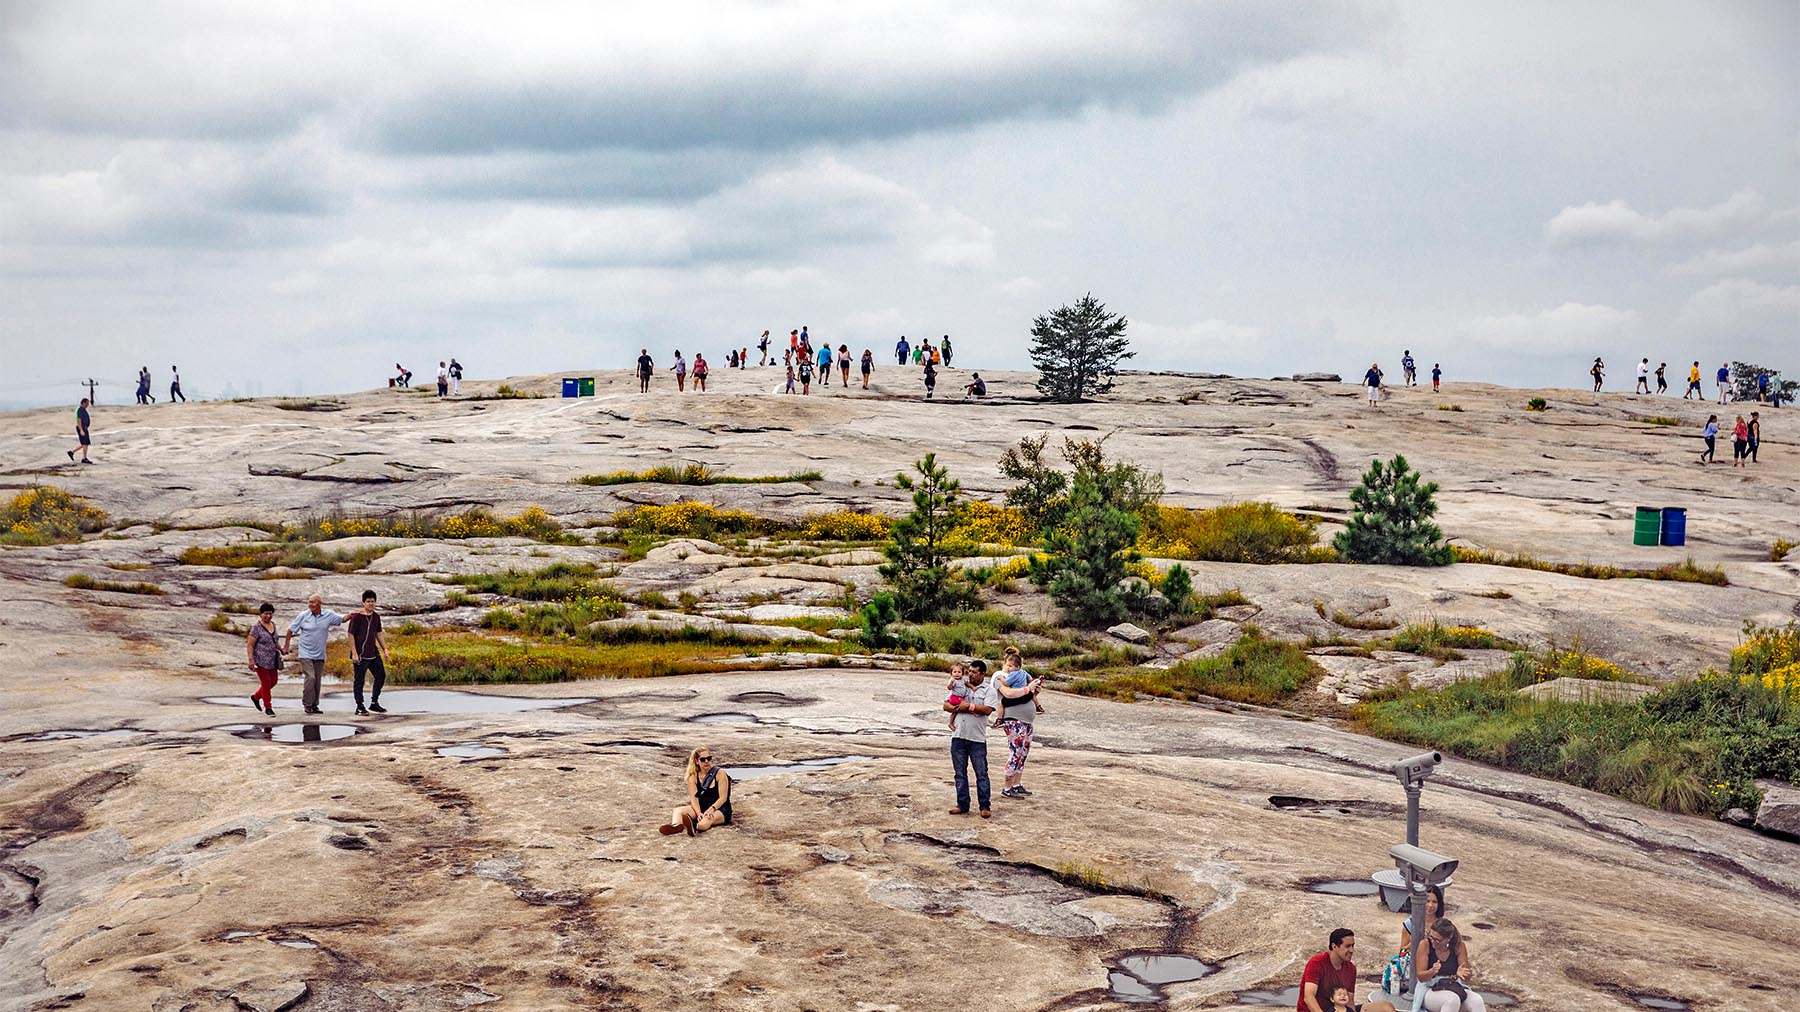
<point x="646" y="367"/>
<point x="175" y="386"/>
<point x="968" y="739"/>
<point x="368" y="654"/>
<point x="314" y="626"/>
<point x="82" y="439"/>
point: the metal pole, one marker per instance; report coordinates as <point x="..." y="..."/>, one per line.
<point x="1412" y="814"/>
<point x="1417" y="889"/>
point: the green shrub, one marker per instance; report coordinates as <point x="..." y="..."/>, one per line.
<point x="1178" y="589"/>
<point x="1537" y="404"/>
<point x="691" y="474"/>
<point x="1391" y="525"/>
<point x="1445" y="642"/>
<point x="47" y="515"/>
<point x="1252" y="670"/>
<point x="1780" y="549"/>
<point x="560" y="581"/>
<point x="266" y="555"/>
<point x="877" y="616"/>
<point x="925" y="587"/>
<point x="1090" y="549"/>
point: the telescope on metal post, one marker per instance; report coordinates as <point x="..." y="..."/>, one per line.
<point x="1412" y="774"/>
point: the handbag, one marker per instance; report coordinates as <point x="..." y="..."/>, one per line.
<point x="1452" y="985"/>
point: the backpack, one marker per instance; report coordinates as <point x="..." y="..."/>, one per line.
<point x="1397" y="977"/>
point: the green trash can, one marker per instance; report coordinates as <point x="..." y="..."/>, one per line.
<point x="587" y="386"/>
<point x="1649" y="526"/>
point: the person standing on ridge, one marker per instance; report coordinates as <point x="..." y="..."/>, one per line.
<point x="455" y="376"/>
<point x="824" y="365"/>
<point x="902" y="350"/>
<point x="930" y="380"/>
<point x="1598" y="371"/>
<point x="762" y="346"/>
<point x="1437" y="375"/>
<point x="1724" y="381"/>
<point x="1693" y="389"/>
<point x="443" y="378"/>
<point x="1755" y="434"/>
<point x="1662" y="378"/>
<point x="175" y="385"/>
<point x="1410" y="368"/>
<point x="700" y="371"/>
<point x="1643" y="377"/>
<point x="868" y="366"/>
<point x="1372" y="383"/>
<point x="82" y="439"/>
<point x="646" y="367"/>
<point x="843" y="361"/>
<point x="680" y="371"/>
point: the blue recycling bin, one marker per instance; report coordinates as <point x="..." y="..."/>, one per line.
<point x="571" y="387"/>
<point x="1674" y="526"/>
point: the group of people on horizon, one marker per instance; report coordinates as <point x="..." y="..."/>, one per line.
<point x="1375" y="388"/>
<point x="806" y="364"/>
<point x="1766" y="383"/>
<point x="144" y="396"/>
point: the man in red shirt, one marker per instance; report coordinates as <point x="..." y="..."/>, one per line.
<point x="1330" y="970"/>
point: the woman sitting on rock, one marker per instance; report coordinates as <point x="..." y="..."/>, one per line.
<point x="709" y="797"/>
<point x="1444" y="975"/>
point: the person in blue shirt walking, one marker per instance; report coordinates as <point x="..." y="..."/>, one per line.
<point x="314" y="627"/>
<point x="902" y="350"/>
<point x="824" y="365"/>
<point x="1724" y="380"/>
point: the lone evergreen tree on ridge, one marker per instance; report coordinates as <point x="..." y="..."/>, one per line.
<point x="1077" y="350"/>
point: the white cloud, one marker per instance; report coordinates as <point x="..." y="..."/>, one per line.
<point x="1020" y="285"/>
<point x="1778" y="257"/>
<point x="1742" y="309"/>
<point x="1203" y="345"/>
<point x="1618" y="222"/>
<point x="1567" y="329"/>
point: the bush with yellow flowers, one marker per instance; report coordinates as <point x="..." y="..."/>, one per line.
<point x="690" y="520"/>
<point x="1240" y="532"/>
<point x="1766" y="649"/>
<point x="47" y="515"/>
<point x="983" y="523"/>
<point x="845" y="525"/>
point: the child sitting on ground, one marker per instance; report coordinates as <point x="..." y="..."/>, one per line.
<point x="958" y="688"/>
<point x="1340" y="1000"/>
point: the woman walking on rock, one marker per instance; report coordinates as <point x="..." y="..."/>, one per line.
<point x="1740" y="443"/>
<point x="868" y="366"/>
<point x="263" y="650"/>
<point x="1711" y="435"/>
<point x="700" y="372"/>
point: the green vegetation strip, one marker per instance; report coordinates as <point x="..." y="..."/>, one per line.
<point x="1686" y="571"/>
<point x="1252" y="670"/>
<point x="692" y="474"/>
<point x="81" y="581"/>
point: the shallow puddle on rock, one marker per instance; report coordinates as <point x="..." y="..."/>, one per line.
<point x="293" y="734"/>
<point x="1344" y="887"/>
<point x="428" y="701"/>
<point x="1288" y="997"/>
<point x="232" y="936"/>
<point x="296" y="943"/>
<point x="724" y="718"/>
<point x="1651" y="1001"/>
<point x="1140" y="978"/>
<point x="470" y="750"/>
<point x="802" y="766"/>
<point x="63" y="734"/>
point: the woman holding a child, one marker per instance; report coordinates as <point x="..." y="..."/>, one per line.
<point x="1018" y="696"/>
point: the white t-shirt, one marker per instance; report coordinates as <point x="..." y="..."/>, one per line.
<point x="1643" y="369"/>
<point x="443" y="374"/>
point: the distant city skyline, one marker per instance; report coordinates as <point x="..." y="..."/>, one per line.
<point x="310" y="194"/>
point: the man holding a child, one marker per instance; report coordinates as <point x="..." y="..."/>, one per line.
<point x="972" y="699"/>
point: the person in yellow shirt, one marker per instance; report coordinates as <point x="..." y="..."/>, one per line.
<point x="1693" y="389"/>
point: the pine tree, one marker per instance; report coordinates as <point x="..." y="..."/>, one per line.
<point x="1090" y="543"/>
<point x="1392" y="522"/>
<point x="1077" y="350"/>
<point x="925" y="588"/>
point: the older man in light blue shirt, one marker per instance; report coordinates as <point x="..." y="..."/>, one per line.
<point x="314" y="626"/>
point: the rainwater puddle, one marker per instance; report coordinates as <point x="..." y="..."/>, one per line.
<point x="802" y="766"/>
<point x="62" y="734"/>
<point x="470" y="750"/>
<point x="1286" y="997"/>
<point x="430" y="701"/>
<point x="1652" y="1001"/>
<point x="293" y="734"/>
<point x="232" y="936"/>
<point x="296" y="943"/>
<point x="1344" y="887"/>
<point x="1140" y="979"/>
<point x="724" y="718"/>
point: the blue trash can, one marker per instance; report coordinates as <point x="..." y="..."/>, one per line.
<point x="1674" y="526"/>
<point x="571" y="387"/>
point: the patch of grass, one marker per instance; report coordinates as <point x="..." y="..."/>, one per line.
<point x="1256" y="532"/>
<point x="1686" y="571"/>
<point x="653" y="599"/>
<point x="264" y="555"/>
<point x="692" y="474"/>
<point x="1207" y="606"/>
<point x="1780" y="549"/>
<point x="533" y="523"/>
<point x="239" y="608"/>
<point x="965" y="633"/>
<point x="506" y="392"/>
<point x="1081" y="876"/>
<point x="458" y="599"/>
<point x="128" y="567"/>
<point x="82" y="581"/>
<point x="560" y="581"/>
<point x="1252" y="670"/>
<point x="467" y="658"/>
<point x="1696" y="746"/>
<point x="310" y="404"/>
<point x="1537" y="404"/>
<point x="47" y="515"/>
<point x="1449" y="407"/>
<point x="1662" y="420"/>
<point x="1098" y="657"/>
<point x="1496" y="594"/>
<point x="1445" y="642"/>
<point x="1370" y="621"/>
<point x="221" y="623"/>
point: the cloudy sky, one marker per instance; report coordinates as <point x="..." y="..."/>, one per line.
<point x="294" y="196"/>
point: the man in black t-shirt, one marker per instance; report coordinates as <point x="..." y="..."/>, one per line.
<point x="646" y="369"/>
<point x="82" y="421"/>
<point x="368" y="654"/>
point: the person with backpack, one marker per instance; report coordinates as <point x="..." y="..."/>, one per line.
<point x="1409" y="368"/>
<point x="944" y="346"/>
<point x="1598" y="371"/>
<point x="930" y="380"/>
<point x="1662" y="378"/>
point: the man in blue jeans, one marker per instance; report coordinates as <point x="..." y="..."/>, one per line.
<point x="968" y="739"/>
<point x="314" y="626"/>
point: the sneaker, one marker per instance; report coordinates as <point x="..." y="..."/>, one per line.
<point x="84" y="460"/>
<point x="311" y="709"/>
<point x="360" y="712"/>
<point x="269" y="711"/>
<point x="255" y="704"/>
<point x="959" y="811"/>
<point x="377" y="707"/>
<point x="1021" y="789"/>
<point x="670" y="829"/>
<point x="1012" y="792"/>
<point x="71" y="456"/>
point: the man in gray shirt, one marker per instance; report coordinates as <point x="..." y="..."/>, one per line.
<point x="314" y="626"/>
<point x="968" y="738"/>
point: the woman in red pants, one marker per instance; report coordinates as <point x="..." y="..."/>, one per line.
<point x="264" y="652"/>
